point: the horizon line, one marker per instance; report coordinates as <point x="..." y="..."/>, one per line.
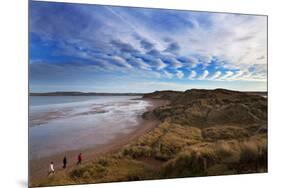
<point x="85" y="92"/>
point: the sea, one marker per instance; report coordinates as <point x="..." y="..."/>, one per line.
<point x="58" y="124"/>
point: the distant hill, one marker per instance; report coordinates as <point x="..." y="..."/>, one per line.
<point x="200" y="107"/>
<point x="166" y="95"/>
<point x="74" y="93"/>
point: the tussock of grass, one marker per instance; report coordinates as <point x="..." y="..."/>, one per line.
<point x="137" y="151"/>
<point x="59" y="178"/>
<point x="220" y="169"/>
<point x="144" y="145"/>
<point x="105" y="161"/>
<point x="125" y="170"/>
<point x="106" y="169"/>
<point x="224" y="132"/>
<point x="164" y="142"/>
<point x="88" y="172"/>
<point x="223" y="157"/>
<point x="175" y="140"/>
<point x="254" y="151"/>
<point x="152" y="137"/>
<point x="189" y="163"/>
<point x="228" y="151"/>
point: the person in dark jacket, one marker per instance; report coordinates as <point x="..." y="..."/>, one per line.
<point x="79" y="158"/>
<point x="64" y="162"/>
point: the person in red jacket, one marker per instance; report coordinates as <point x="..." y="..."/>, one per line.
<point x="79" y="159"/>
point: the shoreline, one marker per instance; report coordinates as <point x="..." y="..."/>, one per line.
<point x="38" y="168"/>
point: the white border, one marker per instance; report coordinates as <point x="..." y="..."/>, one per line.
<point x="13" y="163"/>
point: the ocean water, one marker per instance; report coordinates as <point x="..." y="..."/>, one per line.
<point x="59" y="124"/>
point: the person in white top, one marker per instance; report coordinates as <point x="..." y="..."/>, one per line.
<point x="51" y="169"/>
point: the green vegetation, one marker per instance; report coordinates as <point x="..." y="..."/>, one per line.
<point x="219" y="158"/>
<point x="164" y="142"/>
<point x="109" y="169"/>
<point x="224" y="132"/>
<point x="202" y="133"/>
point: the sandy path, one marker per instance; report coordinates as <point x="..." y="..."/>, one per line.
<point x="38" y="168"/>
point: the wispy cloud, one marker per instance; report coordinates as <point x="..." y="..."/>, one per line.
<point x="227" y="75"/>
<point x="216" y="75"/>
<point x="180" y="74"/>
<point x="142" y="65"/>
<point x="192" y="75"/>
<point x="159" y="64"/>
<point x="120" y="61"/>
<point x="173" y="47"/>
<point x="176" y="63"/>
<point x="204" y="75"/>
<point x="168" y="74"/>
<point x="237" y="75"/>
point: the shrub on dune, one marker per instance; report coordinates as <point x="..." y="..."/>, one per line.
<point x="137" y="151"/>
<point x="224" y="132"/>
<point x="218" y="158"/>
<point x="175" y="140"/>
<point x="228" y="151"/>
<point x="194" y="161"/>
<point x="88" y="172"/>
<point x="254" y="152"/>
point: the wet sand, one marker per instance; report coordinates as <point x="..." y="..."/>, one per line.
<point x="38" y="168"/>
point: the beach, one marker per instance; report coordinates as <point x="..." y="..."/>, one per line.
<point x="38" y="166"/>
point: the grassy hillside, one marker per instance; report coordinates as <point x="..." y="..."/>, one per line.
<point x="203" y="132"/>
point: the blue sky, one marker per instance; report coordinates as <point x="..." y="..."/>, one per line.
<point x="91" y="48"/>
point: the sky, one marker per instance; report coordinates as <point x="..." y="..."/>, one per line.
<point x="94" y="48"/>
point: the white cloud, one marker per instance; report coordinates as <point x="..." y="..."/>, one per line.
<point x="204" y="75"/>
<point x="252" y="76"/>
<point x="159" y="64"/>
<point x="216" y="75"/>
<point x="235" y="41"/>
<point x="237" y="75"/>
<point x="139" y="62"/>
<point x="192" y="75"/>
<point x="180" y="74"/>
<point x="120" y="61"/>
<point x="168" y="74"/>
<point x="226" y="75"/>
<point x="175" y="63"/>
<point x="193" y="62"/>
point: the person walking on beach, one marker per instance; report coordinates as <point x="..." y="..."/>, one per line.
<point x="64" y="162"/>
<point x="79" y="159"/>
<point x="51" y="169"/>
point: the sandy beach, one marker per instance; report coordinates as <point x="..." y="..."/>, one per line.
<point x="38" y="168"/>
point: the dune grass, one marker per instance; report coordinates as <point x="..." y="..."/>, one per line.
<point x="109" y="169"/>
<point x="219" y="158"/>
<point x="164" y="142"/>
<point x="224" y="132"/>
